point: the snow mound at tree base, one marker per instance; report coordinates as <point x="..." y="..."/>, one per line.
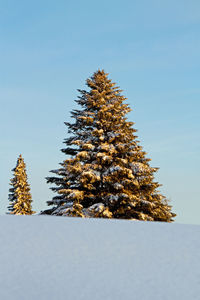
<point x="46" y="257"/>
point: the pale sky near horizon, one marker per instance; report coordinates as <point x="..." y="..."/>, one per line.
<point x="149" y="48"/>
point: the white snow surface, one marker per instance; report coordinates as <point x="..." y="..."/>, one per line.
<point x="48" y="257"/>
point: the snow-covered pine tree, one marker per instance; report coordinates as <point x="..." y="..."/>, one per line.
<point x="20" y="196"/>
<point x="106" y="173"/>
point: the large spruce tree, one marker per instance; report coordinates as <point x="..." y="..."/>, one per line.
<point x="106" y="172"/>
<point x="20" y="196"/>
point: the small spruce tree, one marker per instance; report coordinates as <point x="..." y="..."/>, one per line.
<point x="106" y="172"/>
<point x="20" y="196"/>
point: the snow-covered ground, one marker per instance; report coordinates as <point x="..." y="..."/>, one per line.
<point x="44" y="257"/>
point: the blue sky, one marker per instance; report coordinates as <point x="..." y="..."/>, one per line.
<point x="149" y="48"/>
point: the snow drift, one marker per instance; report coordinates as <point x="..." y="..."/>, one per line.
<point x="45" y="257"/>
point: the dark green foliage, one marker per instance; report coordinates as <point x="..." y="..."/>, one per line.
<point x="106" y="172"/>
<point x="20" y="196"/>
